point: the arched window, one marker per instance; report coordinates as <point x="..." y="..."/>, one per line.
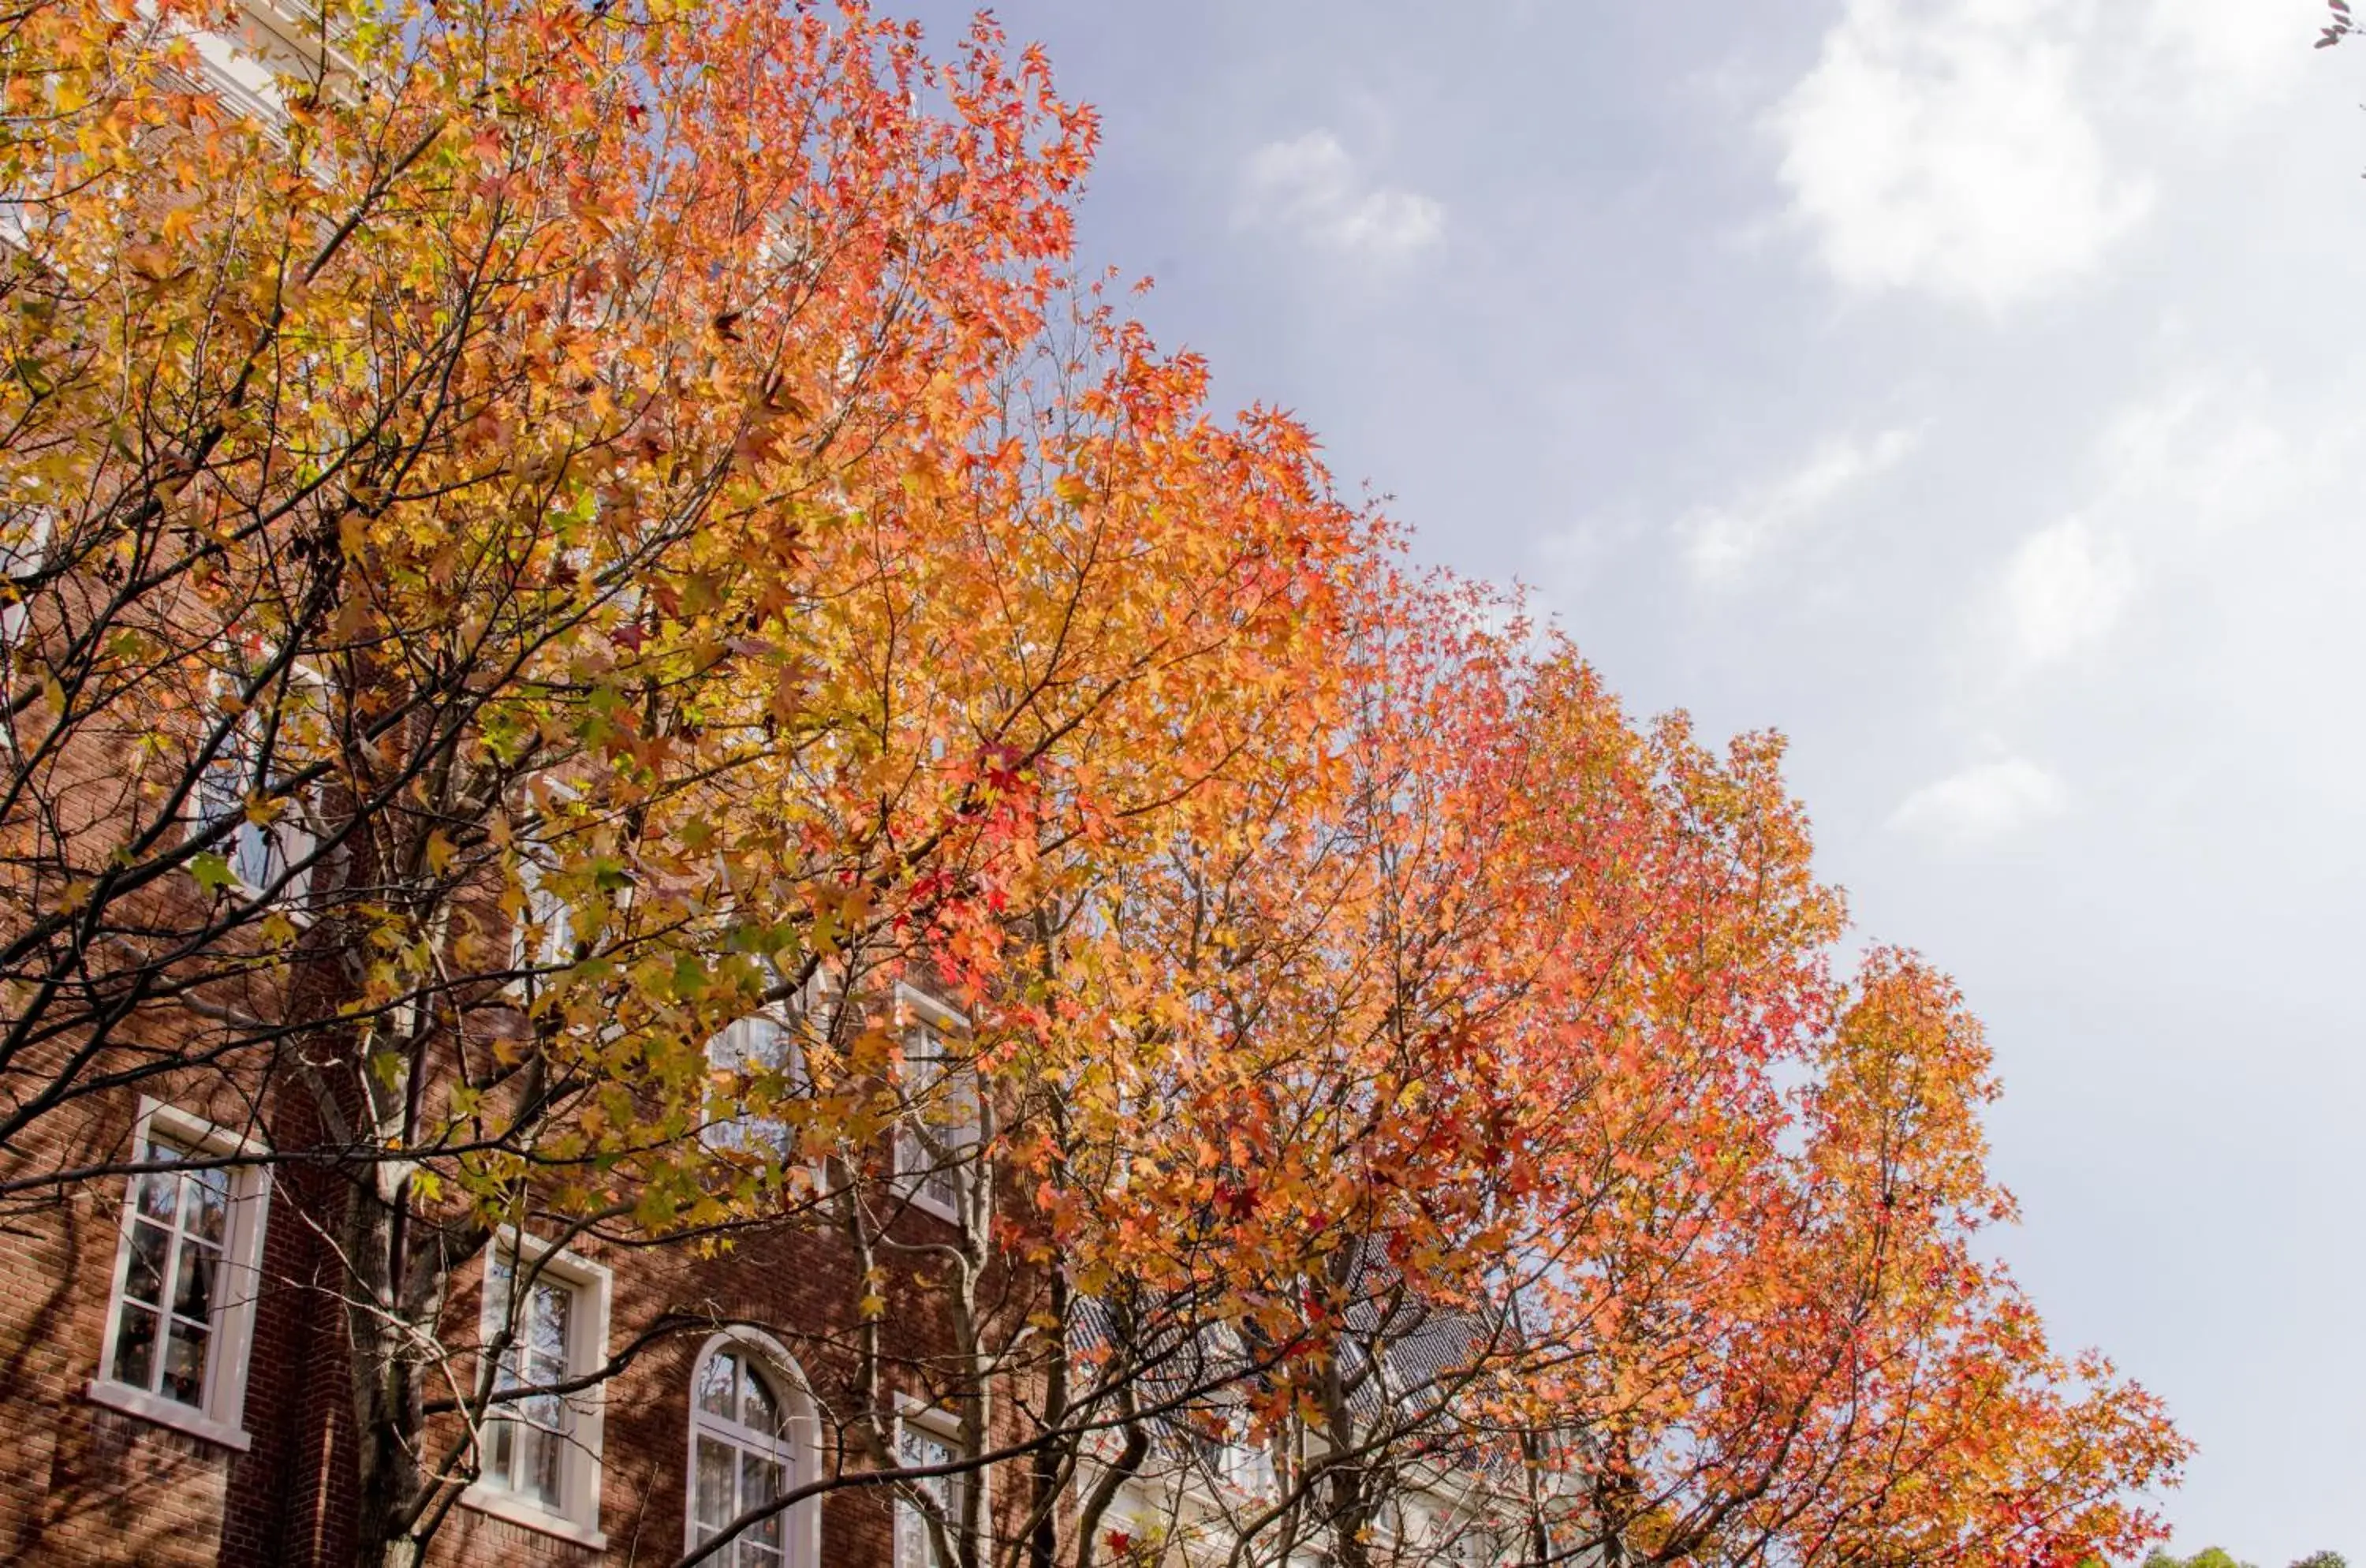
<point x="751" y="1441"/>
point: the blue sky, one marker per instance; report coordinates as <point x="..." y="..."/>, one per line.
<point x="1965" y="388"/>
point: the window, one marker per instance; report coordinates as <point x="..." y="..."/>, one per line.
<point x="545" y="934"/>
<point x="24" y="550"/>
<point x="181" y="1315"/>
<point x="926" y="1438"/>
<point x="938" y="1137"/>
<point x="542" y="930"/>
<point x="240" y="782"/>
<point x="758" y="1050"/>
<point x="539" y="1462"/>
<point x="748" y="1439"/>
<point x="1470" y="1544"/>
<point x="1224" y="1455"/>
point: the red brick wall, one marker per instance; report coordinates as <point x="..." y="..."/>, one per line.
<point x="82" y="1486"/>
<point x="83" y="1483"/>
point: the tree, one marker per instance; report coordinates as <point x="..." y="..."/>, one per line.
<point x="554" y="569"/>
<point x="519" y="488"/>
<point x="2208" y="1557"/>
<point x="2218" y="1557"/>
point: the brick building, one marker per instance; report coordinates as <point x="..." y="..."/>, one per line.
<point x="177" y="1324"/>
<point x="175" y="1372"/>
<point x="191" y="1326"/>
<point x="112" y="1458"/>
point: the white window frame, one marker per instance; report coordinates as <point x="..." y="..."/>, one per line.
<point x="577" y="1519"/>
<point x="916" y="1170"/>
<point x="800" y="1450"/>
<point x="221" y="1418"/>
<point x="911" y="1545"/>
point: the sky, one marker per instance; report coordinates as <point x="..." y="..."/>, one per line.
<point x="1966" y="389"/>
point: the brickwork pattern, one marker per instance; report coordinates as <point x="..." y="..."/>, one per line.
<point x="84" y="1485"/>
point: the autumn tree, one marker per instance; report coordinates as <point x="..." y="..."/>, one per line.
<point x="1501" y="1023"/>
<point x="2219" y="1557"/>
<point x="602" y="639"/>
<point x="1467" y="1030"/>
<point x="499" y="526"/>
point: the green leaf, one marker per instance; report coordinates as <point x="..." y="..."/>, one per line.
<point x="212" y="870"/>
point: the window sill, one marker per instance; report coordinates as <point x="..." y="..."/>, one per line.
<point x="166" y="1412"/>
<point x="920" y="1198"/>
<point x="501" y="1504"/>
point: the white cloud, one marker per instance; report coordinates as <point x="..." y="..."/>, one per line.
<point x="2199" y="457"/>
<point x="1312" y="185"/>
<point x="2180" y="478"/>
<point x="1990" y="151"/>
<point x="1981" y="804"/>
<point x="2230" y="56"/>
<point x="1949" y="148"/>
<point x="2063" y="591"/>
<point x="1723" y="542"/>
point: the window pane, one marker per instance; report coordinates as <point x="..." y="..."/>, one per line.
<point x="921" y="1448"/>
<point x="542" y="1452"/>
<point x="222" y="785"/>
<point x="757" y="1043"/>
<point x="135" y="1347"/>
<point x="713" y="1498"/>
<point x="760" y="1482"/>
<point x="184" y="1364"/>
<point x="717" y="1375"/>
<point x="192" y="1291"/>
<point x="159" y="1191"/>
<point x="544" y="911"/>
<point x="762" y="1044"/>
<point x="924" y="1059"/>
<point x="758" y="1409"/>
<point x="144" y="1276"/>
<point x="251" y="855"/>
<point x="205" y="1198"/>
<point x="502" y="1440"/>
<point x="544" y="1333"/>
